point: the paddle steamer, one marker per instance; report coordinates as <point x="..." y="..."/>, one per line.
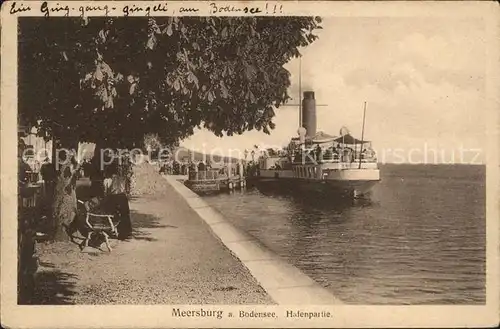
<point x="321" y="162"/>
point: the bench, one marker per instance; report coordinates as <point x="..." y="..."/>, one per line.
<point x="100" y="224"/>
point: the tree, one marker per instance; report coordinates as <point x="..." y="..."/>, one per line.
<point x="111" y="81"/>
<point x="152" y="142"/>
<point x="152" y="145"/>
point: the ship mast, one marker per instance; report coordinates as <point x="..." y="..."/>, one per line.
<point x="362" y="136"/>
<point x="300" y="91"/>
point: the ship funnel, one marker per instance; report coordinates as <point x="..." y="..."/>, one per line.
<point x="309" y="113"/>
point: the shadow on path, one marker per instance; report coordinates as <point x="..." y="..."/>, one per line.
<point x="143" y="223"/>
<point x="53" y="287"/>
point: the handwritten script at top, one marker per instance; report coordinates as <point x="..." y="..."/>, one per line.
<point x="49" y="9"/>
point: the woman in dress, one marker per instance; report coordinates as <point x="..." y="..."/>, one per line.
<point x="116" y="200"/>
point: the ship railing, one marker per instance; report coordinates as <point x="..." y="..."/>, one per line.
<point x="365" y="158"/>
<point x="348" y="160"/>
<point x="203" y="175"/>
<point x="370" y="160"/>
<point x="330" y="159"/>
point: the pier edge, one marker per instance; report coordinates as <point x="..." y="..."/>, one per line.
<point x="283" y="282"/>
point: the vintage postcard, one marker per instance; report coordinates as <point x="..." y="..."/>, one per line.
<point x="225" y="164"/>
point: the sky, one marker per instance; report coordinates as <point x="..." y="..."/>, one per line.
<point x="423" y="80"/>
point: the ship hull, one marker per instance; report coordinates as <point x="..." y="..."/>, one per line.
<point x="350" y="188"/>
<point x="338" y="177"/>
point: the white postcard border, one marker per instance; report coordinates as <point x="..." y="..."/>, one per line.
<point x="344" y="315"/>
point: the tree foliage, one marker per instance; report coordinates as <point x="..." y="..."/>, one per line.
<point x="112" y="81"/>
<point x="152" y="142"/>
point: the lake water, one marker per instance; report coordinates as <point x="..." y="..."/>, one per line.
<point x="419" y="239"/>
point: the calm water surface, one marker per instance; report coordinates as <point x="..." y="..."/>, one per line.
<point x="420" y="239"/>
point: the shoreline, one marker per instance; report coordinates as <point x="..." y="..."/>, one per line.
<point x="284" y="283"/>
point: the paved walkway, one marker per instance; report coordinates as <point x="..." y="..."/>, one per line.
<point x="285" y="283"/>
<point x="173" y="259"/>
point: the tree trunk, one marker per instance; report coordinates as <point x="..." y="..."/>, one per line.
<point x="64" y="203"/>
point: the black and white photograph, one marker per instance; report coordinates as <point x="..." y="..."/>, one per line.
<point x="251" y="163"/>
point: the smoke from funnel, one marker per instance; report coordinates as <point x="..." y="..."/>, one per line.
<point x="309" y="113"/>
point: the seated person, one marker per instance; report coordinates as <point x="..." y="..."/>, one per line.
<point x="201" y="166"/>
<point x="117" y="201"/>
<point x="114" y="202"/>
<point x="23" y="173"/>
<point x="48" y="172"/>
<point x="328" y="154"/>
<point x="24" y="170"/>
<point x="369" y="153"/>
<point x="96" y="177"/>
<point x="163" y="169"/>
<point x="347" y="154"/>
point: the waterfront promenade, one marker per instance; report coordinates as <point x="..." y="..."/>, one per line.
<point x="172" y="259"/>
<point x="182" y="252"/>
